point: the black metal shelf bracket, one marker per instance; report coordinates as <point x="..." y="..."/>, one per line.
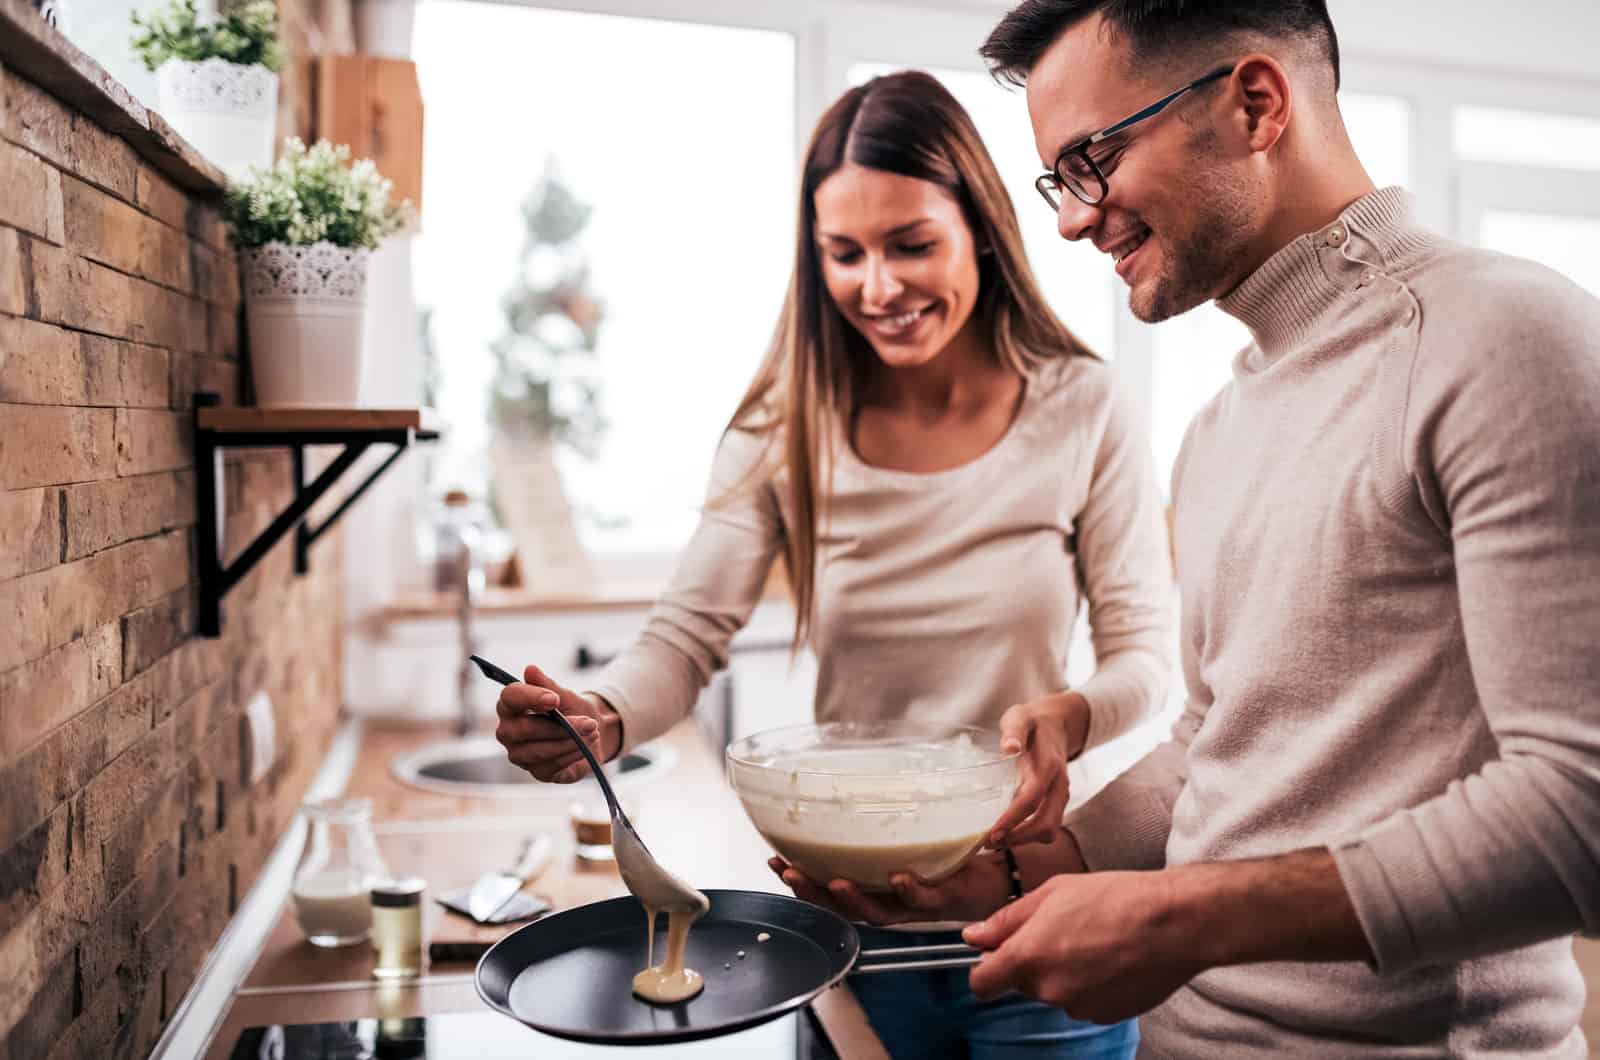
<point x="217" y="578"/>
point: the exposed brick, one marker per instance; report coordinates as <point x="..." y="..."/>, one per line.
<point x="105" y="229"/>
<point x="138" y="371"/>
<point x="83" y="294"/>
<point x="151" y="632"/>
<point x="159" y="198"/>
<point x="80" y="294"/>
<point x="216" y="276"/>
<point x="30" y="531"/>
<point x="41" y="364"/>
<point x="44" y="445"/>
<point x="38" y="696"/>
<point x="14" y="274"/>
<point x="206" y="224"/>
<point x="31" y="1036"/>
<point x="75" y="143"/>
<point x="217" y="375"/>
<point x="151" y="440"/>
<point x="130" y="785"/>
<point x="34" y="867"/>
<point x="134" y="836"/>
<point x="225" y="330"/>
<point x="48" y="608"/>
<point x="29" y="198"/>
<point x="103" y="514"/>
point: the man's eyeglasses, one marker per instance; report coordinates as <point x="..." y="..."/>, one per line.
<point x="1080" y="174"/>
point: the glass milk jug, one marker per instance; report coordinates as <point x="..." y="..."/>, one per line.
<point x="337" y="869"/>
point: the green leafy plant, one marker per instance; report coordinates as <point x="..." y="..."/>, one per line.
<point x="244" y="33"/>
<point x="311" y="195"/>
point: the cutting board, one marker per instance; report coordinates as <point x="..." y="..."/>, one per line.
<point x="450" y="855"/>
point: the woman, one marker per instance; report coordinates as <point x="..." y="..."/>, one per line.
<point x="944" y="469"/>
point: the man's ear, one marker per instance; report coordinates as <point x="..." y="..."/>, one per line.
<point x="1264" y="100"/>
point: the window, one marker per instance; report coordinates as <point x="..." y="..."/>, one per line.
<point x="1380" y="129"/>
<point x="688" y="164"/>
<point x="1563" y="242"/>
<point x="1073" y="276"/>
<point x="1527" y="137"/>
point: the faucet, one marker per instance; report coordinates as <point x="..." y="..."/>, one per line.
<point x="469" y="583"/>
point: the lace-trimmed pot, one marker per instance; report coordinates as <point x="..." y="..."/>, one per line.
<point x="229" y="111"/>
<point x="304" y="306"/>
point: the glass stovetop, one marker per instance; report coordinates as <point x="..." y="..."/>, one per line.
<point x="491" y="1036"/>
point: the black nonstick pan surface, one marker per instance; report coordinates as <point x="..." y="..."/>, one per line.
<point x="571" y="974"/>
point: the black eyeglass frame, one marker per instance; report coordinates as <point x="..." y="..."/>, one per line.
<point x="1049" y="184"/>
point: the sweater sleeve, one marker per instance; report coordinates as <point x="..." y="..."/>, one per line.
<point x="1125" y="826"/>
<point x="718" y="582"/>
<point x="1501" y="441"/>
<point x="1126" y="566"/>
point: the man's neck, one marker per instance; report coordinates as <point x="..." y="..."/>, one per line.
<point x="1310" y="198"/>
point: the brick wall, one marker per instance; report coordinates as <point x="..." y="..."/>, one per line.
<point x="128" y="829"/>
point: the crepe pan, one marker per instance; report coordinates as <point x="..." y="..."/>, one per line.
<point x="570" y="974"/>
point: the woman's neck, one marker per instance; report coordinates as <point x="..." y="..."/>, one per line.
<point x="966" y="373"/>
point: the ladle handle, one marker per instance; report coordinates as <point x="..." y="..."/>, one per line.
<point x="494" y="673"/>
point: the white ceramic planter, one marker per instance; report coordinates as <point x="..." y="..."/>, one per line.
<point x="383" y="27"/>
<point x="304" y="306"/>
<point x="228" y="111"/>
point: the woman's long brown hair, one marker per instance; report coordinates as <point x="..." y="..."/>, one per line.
<point x="817" y="365"/>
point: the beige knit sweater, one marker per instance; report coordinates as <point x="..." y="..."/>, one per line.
<point x="947" y="596"/>
<point x="1388" y="538"/>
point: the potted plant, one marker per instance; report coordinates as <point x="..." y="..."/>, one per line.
<point x="217" y="78"/>
<point x="305" y="229"/>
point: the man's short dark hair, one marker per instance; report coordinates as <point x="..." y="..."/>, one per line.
<point x="1154" y="29"/>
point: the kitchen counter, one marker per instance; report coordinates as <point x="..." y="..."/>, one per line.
<point x="449" y="840"/>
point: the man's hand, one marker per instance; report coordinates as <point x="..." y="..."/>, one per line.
<point x="1049" y="732"/>
<point x="1102" y="946"/>
<point x="1105" y="946"/>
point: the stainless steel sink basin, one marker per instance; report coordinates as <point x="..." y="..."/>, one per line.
<point x="477" y="766"/>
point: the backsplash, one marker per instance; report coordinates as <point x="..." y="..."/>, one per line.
<point x="128" y="829"/>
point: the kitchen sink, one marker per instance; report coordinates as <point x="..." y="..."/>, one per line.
<point x="477" y="766"/>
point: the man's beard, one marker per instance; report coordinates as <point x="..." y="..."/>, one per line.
<point x="1198" y="266"/>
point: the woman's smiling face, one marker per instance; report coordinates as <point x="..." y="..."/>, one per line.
<point x="898" y="260"/>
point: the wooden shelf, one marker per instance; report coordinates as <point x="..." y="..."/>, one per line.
<point x="217" y="428"/>
<point x="235" y="420"/>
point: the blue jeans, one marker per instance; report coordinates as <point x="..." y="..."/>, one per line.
<point x="935" y="1016"/>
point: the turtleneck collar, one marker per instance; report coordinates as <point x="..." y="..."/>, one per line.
<point x="1284" y="299"/>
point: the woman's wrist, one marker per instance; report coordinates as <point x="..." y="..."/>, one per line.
<point x="1038" y="862"/>
<point x="610" y="726"/>
<point x="1075" y="716"/>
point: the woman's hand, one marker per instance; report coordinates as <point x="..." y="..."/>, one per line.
<point x="980" y="887"/>
<point x="542" y="746"/>
<point x="1049" y="732"/>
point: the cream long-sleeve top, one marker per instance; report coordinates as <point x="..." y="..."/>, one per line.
<point x="944" y="597"/>
<point x="1388" y="544"/>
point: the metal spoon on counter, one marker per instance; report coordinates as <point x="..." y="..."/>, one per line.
<point x="655" y="887"/>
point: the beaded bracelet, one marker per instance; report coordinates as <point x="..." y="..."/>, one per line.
<point x="1015" y="873"/>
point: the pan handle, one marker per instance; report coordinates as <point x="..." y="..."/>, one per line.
<point x="919" y="958"/>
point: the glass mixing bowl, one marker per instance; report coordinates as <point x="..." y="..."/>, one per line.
<point x="860" y="801"/>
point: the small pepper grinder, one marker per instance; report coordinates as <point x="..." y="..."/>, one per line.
<point x="397" y="928"/>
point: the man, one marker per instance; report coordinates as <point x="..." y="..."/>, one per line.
<point x="1377" y="824"/>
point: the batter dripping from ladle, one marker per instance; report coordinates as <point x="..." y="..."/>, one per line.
<point x="659" y="891"/>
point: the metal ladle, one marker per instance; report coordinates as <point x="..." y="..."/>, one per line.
<point x="655" y="887"/>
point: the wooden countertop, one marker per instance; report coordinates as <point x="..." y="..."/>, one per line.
<point x="449" y="840"/>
